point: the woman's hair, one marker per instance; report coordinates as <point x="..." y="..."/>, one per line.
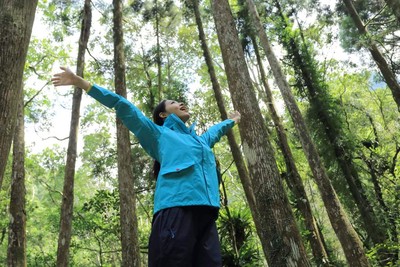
<point x="159" y="121"/>
<point x="156" y="113"/>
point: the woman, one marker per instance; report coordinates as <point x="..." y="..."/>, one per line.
<point x="186" y="199"/>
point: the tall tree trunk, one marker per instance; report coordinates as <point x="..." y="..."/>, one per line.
<point x="16" y="21"/>
<point x="348" y="238"/>
<point x="159" y="71"/>
<point x="292" y="176"/>
<point x="388" y="254"/>
<point x="149" y="82"/>
<point x="64" y="237"/>
<point x="128" y="220"/>
<point x="278" y="230"/>
<point x="236" y="153"/>
<point x="306" y="68"/>
<point x="379" y="59"/>
<point x="395" y="6"/>
<point x="389" y="214"/>
<point x="16" y="255"/>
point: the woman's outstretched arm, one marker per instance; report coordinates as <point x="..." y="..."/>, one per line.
<point x="214" y="133"/>
<point x="145" y="130"/>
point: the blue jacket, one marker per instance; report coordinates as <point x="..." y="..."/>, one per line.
<point x="188" y="172"/>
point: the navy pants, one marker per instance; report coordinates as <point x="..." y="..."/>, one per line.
<point x="185" y="237"/>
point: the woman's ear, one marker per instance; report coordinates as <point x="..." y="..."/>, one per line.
<point x="163" y="115"/>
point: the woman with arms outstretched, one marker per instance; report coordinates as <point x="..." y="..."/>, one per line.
<point x="186" y="199"/>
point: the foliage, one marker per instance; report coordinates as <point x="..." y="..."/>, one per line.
<point x="44" y="174"/>
<point x="4" y="218"/>
<point x="238" y="243"/>
<point x="370" y="115"/>
<point x="381" y="25"/>
<point x="97" y="231"/>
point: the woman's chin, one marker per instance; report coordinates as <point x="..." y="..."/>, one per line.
<point x="185" y="117"/>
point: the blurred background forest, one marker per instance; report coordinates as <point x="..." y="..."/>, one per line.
<point x="339" y="60"/>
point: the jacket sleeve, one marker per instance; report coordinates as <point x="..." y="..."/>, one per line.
<point x="214" y="133"/>
<point x="144" y="129"/>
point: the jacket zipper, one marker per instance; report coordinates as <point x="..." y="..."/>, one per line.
<point x="202" y="168"/>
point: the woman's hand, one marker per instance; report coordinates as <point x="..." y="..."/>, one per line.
<point x="235" y="116"/>
<point x="67" y="77"/>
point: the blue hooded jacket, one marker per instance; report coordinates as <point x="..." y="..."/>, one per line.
<point x="188" y="174"/>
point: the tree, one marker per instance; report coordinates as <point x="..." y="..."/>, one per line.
<point x="367" y="108"/>
<point x="15" y="32"/>
<point x="158" y="13"/>
<point x="378" y="57"/>
<point x="395" y="6"/>
<point x="64" y="237"/>
<point x="327" y="123"/>
<point x="236" y="153"/>
<point x="348" y="238"/>
<point x="281" y="241"/>
<point x="17" y="229"/>
<point x="126" y="179"/>
<point x="292" y="175"/>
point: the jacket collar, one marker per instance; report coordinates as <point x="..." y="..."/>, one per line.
<point x="175" y="123"/>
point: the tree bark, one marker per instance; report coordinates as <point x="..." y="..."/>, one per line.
<point x="236" y="153"/>
<point x="292" y="175"/>
<point x="379" y="59"/>
<point x="348" y="238"/>
<point x="126" y="179"/>
<point x="334" y="134"/>
<point x="64" y="237"/>
<point x="159" y="71"/>
<point x="16" y="255"/>
<point x="16" y="21"/>
<point x="386" y="254"/>
<point x="278" y="231"/>
<point x="395" y="6"/>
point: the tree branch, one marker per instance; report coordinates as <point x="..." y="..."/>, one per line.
<point x="37" y="93"/>
<point x="376" y="15"/>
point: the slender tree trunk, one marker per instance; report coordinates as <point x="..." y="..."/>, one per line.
<point x="149" y="82"/>
<point x="348" y="238"/>
<point x="337" y="141"/>
<point x="159" y="71"/>
<point x="16" y="256"/>
<point x="395" y="6"/>
<point x="64" y="237"/>
<point x="278" y="230"/>
<point x="236" y="153"/>
<point x="235" y="149"/>
<point x="16" y="21"/>
<point x="387" y="254"/>
<point x="128" y="220"/>
<point x="379" y="59"/>
<point x="292" y="176"/>
<point x="389" y="215"/>
<point x="168" y="69"/>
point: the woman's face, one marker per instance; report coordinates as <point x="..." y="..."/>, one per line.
<point x="177" y="108"/>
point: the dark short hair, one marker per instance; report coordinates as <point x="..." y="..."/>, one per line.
<point x="156" y="113"/>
